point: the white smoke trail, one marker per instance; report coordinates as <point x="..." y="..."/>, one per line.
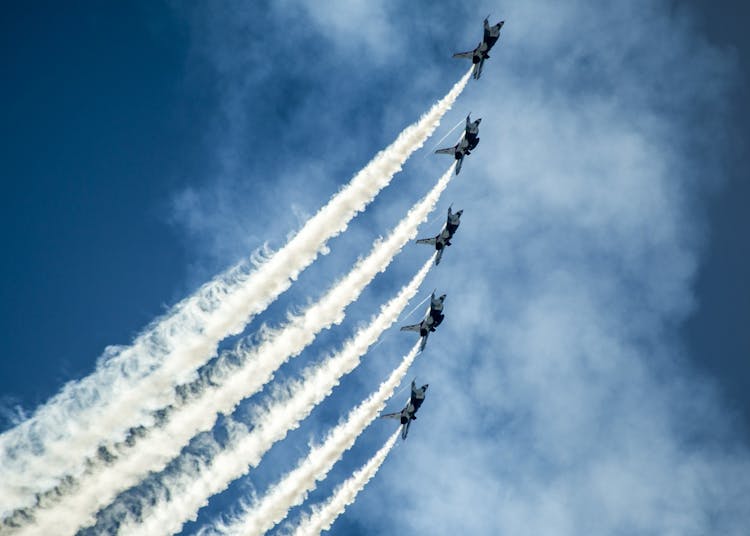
<point x="34" y="454"/>
<point x="323" y="516"/>
<point x="294" y="487"/>
<point x="199" y="415"/>
<point x="230" y="385"/>
<point x="127" y="387"/>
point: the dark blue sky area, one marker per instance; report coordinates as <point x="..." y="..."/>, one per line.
<point x="96" y="132"/>
<point x="719" y="334"/>
<point x="103" y="115"/>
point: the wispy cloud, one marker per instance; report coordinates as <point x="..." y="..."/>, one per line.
<point x="563" y="402"/>
<point x="567" y="405"/>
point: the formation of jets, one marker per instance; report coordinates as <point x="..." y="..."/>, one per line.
<point x="468" y="142"/>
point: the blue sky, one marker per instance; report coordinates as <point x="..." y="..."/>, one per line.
<point x="594" y="351"/>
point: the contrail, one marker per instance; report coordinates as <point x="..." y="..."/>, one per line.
<point x="129" y="384"/>
<point x="295" y="486"/>
<point x="230" y="384"/>
<point x="441" y="140"/>
<point x="323" y="516"/>
<point x="413" y="310"/>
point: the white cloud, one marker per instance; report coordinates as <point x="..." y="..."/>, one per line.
<point x="561" y="402"/>
<point x="558" y="386"/>
<point x="358" y="26"/>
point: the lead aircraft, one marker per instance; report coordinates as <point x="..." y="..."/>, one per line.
<point x="432" y="320"/>
<point x="479" y="54"/>
<point x="466" y="144"/>
<point x="443" y="240"/>
<point x="409" y="413"/>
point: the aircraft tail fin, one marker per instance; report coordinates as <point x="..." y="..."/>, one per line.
<point x="424" y="342"/>
<point x="439" y="256"/>
<point x="405" y="429"/>
<point x="467" y="55"/>
<point x="446" y="150"/>
<point x="428" y="241"/>
<point x="413" y="327"/>
<point x="478" y="68"/>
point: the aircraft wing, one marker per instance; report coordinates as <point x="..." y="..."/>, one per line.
<point x="430" y="241"/>
<point x="413" y="327"/>
<point x="447" y="150"/>
<point x="439" y="256"/>
<point x="469" y="54"/>
<point x="396" y="415"/>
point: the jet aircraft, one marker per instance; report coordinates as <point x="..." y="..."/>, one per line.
<point x="432" y="320"/>
<point x="443" y="240"/>
<point x="468" y="142"/>
<point x="481" y="53"/>
<point x="409" y="413"/>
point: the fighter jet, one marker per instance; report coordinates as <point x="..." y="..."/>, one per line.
<point x="468" y="142"/>
<point x="479" y="54"/>
<point x="409" y="413"/>
<point x="432" y="319"/>
<point x="443" y="240"/>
